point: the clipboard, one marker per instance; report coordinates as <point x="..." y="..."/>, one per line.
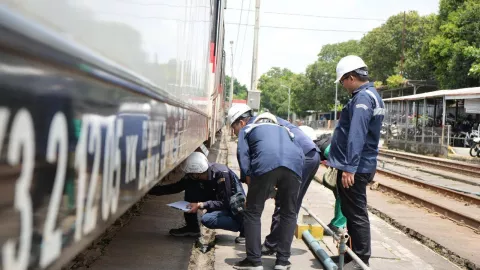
<point x="180" y="205"/>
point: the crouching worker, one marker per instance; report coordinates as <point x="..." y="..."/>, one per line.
<point x="210" y="186"/>
<point x="339" y="221"/>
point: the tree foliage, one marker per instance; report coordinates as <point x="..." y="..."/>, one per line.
<point x="274" y="95"/>
<point x="444" y="48"/>
<point x="382" y="47"/>
<point x="239" y="90"/>
<point x="454" y="49"/>
<point x="395" y="81"/>
<point x="319" y="92"/>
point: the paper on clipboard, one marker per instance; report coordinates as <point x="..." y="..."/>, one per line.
<point x="180" y="205"/>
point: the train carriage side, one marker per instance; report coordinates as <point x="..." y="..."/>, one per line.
<point x="95" y="109"/>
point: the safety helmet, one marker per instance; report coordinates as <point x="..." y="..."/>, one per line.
<point x="349" y="63"/>
<point x="195" y="163"/>
<point x="310" y="132"/>
<point x="236" y="111"/>
<point x="266" y="117"/>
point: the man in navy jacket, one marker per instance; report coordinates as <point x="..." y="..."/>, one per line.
<point x="207" y="186"/>
<point x="268" y="156"/>
<point x="354" y="151"/>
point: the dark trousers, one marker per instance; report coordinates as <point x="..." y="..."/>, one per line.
<point x="310" y="168"/>
<point x="195" y="193"/>
<point x="354" y="207"/>
<point x="288" y="184"/>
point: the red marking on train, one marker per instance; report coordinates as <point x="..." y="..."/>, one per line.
<point x="212" y="56"/>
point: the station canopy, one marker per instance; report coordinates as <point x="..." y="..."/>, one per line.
<point x="464" y="93"/>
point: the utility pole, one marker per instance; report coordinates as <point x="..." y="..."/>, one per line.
<point x="230" y="100"/>
<point x="403" y="45"/>
<point x="288" y="114"/>
<point x="253" y="85"/>
<point x="288" y="117"/>
<point x="336" y="94"/>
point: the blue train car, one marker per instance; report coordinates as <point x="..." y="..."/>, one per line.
<point x="97" y="105"/>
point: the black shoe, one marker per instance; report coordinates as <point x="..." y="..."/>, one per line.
<point x="266" y="251"/>
<point x="240" y="240"/>
<point x="346" y="259"/>
<point x="185" y="231"/>
<point x="353" y="265"/>
<point x="246" y="264"/>
<point x="282" y="265"/>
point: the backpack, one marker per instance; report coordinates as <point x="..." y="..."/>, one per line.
<point x="323" y="143"/>
<point x="238" y="199"/>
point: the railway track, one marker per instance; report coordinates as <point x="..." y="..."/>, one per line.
<point x="464" y="218"/>
<point x="452" y="204"/>
<point x="439" y="163"/>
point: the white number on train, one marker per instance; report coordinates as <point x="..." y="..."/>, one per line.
<point x="21" y="148"/>
<point x="57" y="142"/>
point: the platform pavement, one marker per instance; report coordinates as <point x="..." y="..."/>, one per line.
<point x="391" y="249"/>
<point x="227" y="252"/>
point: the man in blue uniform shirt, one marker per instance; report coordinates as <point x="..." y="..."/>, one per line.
<point x="311" y="165"/>
<point x="268" y="157"/>
<point x="354" y="151"/>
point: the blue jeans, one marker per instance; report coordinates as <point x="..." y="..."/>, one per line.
<point x="310" y="168"/>
<point x="224" y="220"/>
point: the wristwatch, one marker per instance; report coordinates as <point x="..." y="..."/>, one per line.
<point x="200" y="205"/>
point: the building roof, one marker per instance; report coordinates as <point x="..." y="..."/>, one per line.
<point x="463" y="93"/>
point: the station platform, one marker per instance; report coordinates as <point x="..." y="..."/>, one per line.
<point x="144" y="243"/>
<point x="391" y="248"/>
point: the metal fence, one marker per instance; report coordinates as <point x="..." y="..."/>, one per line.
<point x="321" y="124"/>
<point x="410" y="133"/>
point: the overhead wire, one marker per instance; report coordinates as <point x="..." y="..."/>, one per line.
<point x="244" y="36"/>
<point x="238" y="33"/>
<point x="313" y="15"/>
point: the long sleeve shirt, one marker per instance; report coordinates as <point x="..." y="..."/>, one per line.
<point x="354" y="146"/>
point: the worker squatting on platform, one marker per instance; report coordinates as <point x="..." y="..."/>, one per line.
<point x="210" y="186"/>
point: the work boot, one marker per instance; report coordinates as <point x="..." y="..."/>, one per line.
<point x="240" y="239"/>
<point x="246" y="264"/>
<point x="266" y="251"/>
<point x="282" y="265"/>
<point x="185" y="231"/>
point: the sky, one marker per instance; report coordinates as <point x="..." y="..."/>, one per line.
<point x="293" y="48"/>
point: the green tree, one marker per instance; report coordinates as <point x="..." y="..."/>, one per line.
<point x="454" y="49"/>
<point x="274" y="96"/>
<point x="239" y="90"/>
<point x="318" y="92"/>
<point x="382" y="47"/>
<point x="395" y="81"/>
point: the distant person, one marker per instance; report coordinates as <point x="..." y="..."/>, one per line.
<point x="269" y="158"/>
<point x="354" y="151"/>
<point x="208" y="186"/>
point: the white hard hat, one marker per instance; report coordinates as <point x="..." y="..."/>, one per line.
<point x="195" y="163"/>
<point x="266" y="116"/>
<point x="310" y="132"/>
<point x="236" y="111"/>
<point x="347" y="64"/>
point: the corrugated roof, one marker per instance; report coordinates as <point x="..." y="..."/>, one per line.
<point x="472" y="92"/>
